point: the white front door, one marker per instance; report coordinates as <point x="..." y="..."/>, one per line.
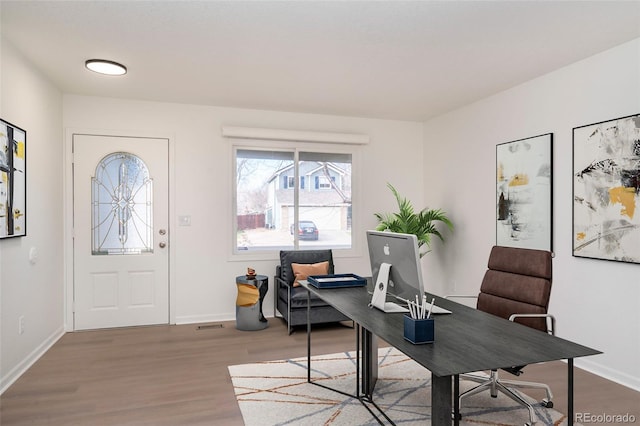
<point x="121" y="233"/>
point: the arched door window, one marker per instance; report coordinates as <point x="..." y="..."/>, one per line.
<point x="122" y="205"/>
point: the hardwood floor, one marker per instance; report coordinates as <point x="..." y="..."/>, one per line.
<point x="177" y="375"/>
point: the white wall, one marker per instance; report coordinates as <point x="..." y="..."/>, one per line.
<point x="597" y="303"/>
<point x="204" y="271"/>
<point x="34" y="291"/>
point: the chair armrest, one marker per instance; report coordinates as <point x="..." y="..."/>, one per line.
<point x="279" y="281"/>
<point x="553" y="319"/>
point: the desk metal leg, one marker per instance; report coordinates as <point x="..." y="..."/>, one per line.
<point x="456" y="400"/>
<point x="570" y="414"/>
<point x="308" y="336"/>
<point x="369" y="366"/>
<point x="369" y="362"/>
<point x="358" y="394"/>
<point x="441" y="397"/>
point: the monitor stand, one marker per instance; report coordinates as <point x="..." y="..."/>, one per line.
<point x="379" y="298"/>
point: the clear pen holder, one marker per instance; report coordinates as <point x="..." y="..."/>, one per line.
<point x="419" y="331"/>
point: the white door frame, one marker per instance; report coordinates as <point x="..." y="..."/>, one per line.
<point x="68" y="214"/>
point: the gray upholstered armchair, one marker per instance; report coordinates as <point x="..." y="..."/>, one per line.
<point x="517" y="287"/>
<point x="291" y="301"/>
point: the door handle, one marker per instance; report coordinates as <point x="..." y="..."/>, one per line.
<point x="162" y="244"/>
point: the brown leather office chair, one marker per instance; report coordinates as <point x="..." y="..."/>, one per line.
<point x="516" y="286"/>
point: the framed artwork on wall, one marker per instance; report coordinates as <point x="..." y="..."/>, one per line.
<point x="13" y="181"/>
<point x="606" y="190"/>
<point x="524" y="186"/>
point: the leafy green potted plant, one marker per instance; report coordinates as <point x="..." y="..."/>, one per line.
<point x="422" y="224"/>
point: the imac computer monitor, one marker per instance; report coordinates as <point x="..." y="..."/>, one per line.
<point x="395" y="268"/>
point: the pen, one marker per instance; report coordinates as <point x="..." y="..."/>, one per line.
<point x="424" y="306"/>
<point x="431" y="307"/>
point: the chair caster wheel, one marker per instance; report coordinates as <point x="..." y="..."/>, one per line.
<point x="454" y="417"/>
<point x="547" y="404"/>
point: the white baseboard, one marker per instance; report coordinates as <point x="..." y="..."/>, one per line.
<point x="15" y="373"/>
<point x="196" y="319"/>
<point x="608" y="373"/>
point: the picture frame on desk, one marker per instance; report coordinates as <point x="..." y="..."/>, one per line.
<point x="606" y="190"/>
<point x="524" y="193"/>
<point x="13" y="180"/>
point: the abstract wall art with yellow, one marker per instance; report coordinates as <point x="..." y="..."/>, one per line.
<point x="606" y="190"/>
<point x="524" y="193"/>
<point x="13" y="196"/>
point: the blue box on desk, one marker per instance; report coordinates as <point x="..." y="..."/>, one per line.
<point x="336" y="281"/>
<point x="419" y="331"/>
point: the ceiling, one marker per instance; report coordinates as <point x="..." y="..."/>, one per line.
<point x="380" y="59"/>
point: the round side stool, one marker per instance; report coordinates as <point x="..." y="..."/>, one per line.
<point x="251" y="293"/>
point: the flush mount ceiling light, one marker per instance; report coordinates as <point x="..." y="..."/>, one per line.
<point x="103" y="66"/>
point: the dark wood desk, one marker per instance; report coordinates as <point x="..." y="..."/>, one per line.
<point x="466" y="340"/>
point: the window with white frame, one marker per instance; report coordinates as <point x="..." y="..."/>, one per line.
<point x="292" y="198"/>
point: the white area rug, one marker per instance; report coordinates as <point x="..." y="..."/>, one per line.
<point x="277" y="393"/>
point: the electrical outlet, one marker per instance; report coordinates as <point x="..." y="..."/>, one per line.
<point x="21" y="325"/>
